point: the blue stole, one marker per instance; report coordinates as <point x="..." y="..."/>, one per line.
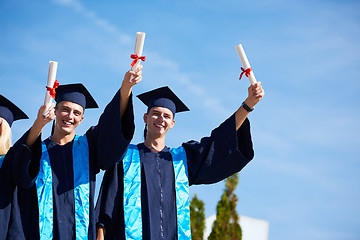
<point x="80" y="153"/>
<point x="132" y="193"/>
<point x="2" y="160"/>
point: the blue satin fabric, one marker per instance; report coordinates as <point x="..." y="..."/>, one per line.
<point x="2" y="160"/>
<point x="81" y="190"/>
<point x="182" y="192"/>
<point x="132" y="193"/>
<point x="81" y="186"/>
<point x="45" y="196"/>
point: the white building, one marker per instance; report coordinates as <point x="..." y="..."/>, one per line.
<point x="252" y="229"/>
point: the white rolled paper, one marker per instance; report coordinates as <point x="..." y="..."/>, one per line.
<point x="139" y="45"/>
<point x="245" y="62"/>
<point x="50" y="83"/>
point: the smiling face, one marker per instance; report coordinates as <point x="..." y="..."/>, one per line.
<point x="159" y="120"/>
<point x="68" y="116"/>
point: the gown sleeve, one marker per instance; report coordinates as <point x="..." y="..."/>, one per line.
<point x="27" y="161"/>
<point x="110" y="202"/>
<point x="9" y="173"/>
<point x="219" y="156"/>
<point x="108" y="141"/>
<point x="7" y="188"/>
<point x="7" y="177"/>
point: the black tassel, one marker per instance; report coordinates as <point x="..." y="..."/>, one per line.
<point x="53" y="128"/>
<point x="145" y="131"/>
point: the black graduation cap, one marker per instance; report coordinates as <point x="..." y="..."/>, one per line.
<point x="163" y="97"/>
<point x="75" y="93"/>
<point x="9" y="111"/>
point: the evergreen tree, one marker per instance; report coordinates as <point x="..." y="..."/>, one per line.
<point x="226" y="226"/>
<point x="197" y="219"/>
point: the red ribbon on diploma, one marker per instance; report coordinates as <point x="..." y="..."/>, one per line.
<point x="136" y="57"/>
<point x="246" y="72"/>
<point x="52" y="89"/>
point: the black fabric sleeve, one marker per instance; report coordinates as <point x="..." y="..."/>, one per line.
<point x="109" y="207"/>
<point x="108" y="141"/>
<point x="219" y="156"/>
<point x="26" y="161"/>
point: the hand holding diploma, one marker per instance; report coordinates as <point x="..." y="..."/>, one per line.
<point x="139" y="45"/>
<point x="255" y="94"/>
<point x="40" y="122"/>
<point x="135" y="75"/>
<point x="52" y="84"/>
<point x="247" y="68"/>
<point x="255" y="91"/>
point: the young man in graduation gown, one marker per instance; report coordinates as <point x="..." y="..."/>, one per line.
<point x="61" y="170"/>
<point x="9" y="113"/>
<point x="146" y="196"/>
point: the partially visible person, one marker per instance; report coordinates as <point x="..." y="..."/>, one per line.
<point x="9" y="113"/>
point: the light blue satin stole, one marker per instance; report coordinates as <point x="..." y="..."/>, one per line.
<point x="44" y="188"/>
<point x="132" y="193"/>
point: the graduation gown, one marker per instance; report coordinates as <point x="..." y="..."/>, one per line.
<point x="107" y="143"/>
<point x="211" y="160"/>
<point x="7" y="187"/>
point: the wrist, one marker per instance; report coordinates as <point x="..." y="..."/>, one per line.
<point x="125" y="91"/>
<point x="249" y="103"/>
<point x="246" y="107"/>
<point x="38" y="124"/>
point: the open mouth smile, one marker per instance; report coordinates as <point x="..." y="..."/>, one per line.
<point x="67" y="123"/>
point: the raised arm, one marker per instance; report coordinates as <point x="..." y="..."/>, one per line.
<point x="256" y="93"/>
<point x="228" y="149"/>
<point x="110" y="138"/>
<point x="126" y="86"/>
<point x="39" y="124"/>
<point x="27" y="150"/>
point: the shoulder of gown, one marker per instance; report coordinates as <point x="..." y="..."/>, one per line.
<point x="221" y="155"/>
<point x="109" y="139"/>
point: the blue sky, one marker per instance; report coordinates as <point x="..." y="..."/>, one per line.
<point x="304" y="178"/>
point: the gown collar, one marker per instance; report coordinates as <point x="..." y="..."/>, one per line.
<point x="146" y="149"/>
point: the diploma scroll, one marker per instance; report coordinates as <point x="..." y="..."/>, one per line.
<point x="245" y="62"/>
<point x="50" y="84"/>
<point x="139" y="45"/>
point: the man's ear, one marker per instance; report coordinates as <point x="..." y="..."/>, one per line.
<point x="172" y="124"/>
<point x="145" y="117"/>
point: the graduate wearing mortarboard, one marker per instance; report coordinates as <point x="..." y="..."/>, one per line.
<point x="58" y="174"/>
<point x="146" y="195"/>
<point x="9" y="113"/>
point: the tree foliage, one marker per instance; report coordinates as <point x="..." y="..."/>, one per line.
<point x="226" y="226"/>
<point x="197" y="219"/>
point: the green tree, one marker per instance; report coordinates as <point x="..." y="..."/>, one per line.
<point x="226" y="226"/>
<point x="197" y="219"/>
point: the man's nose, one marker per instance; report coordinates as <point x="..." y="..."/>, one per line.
<point x="71" y="114"/>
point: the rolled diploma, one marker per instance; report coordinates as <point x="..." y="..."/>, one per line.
<point x="50" y="83"/>
<point x="139" y="45"/>
<point x="245" y="62"/>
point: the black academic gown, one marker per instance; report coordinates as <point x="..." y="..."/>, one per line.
<point x="7" y="188"/>
<point x="211" y="160"/>
<point x="9" y="176"/>
<point x="108" y="142"/>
